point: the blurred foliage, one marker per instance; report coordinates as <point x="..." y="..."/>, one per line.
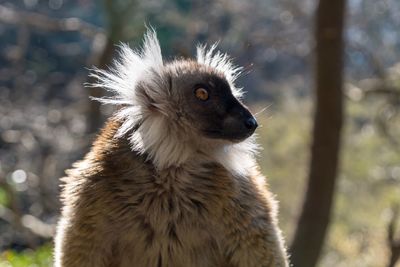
<point x="41" y="257"/>
<point x="43" y="124"/>
<point x="369" y="182"/>
<point x="4" y="197"/>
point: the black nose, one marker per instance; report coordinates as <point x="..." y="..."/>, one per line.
<point x="251" y="123"/>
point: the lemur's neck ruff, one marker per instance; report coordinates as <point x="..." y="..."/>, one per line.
<point x="171" y="125"/>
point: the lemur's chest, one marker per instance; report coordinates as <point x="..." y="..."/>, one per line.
<point x="175" y="219"/>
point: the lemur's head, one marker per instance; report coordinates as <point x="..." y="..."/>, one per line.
<point x="176" y="108"/>
<point x="204" y="97"/>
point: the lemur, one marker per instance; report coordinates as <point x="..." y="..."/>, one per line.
<point x="171" y="180"/>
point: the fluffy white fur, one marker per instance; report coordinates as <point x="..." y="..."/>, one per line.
<point x="159" y="136"/>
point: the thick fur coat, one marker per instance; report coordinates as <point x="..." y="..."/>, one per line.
<point x="171" y="180"/>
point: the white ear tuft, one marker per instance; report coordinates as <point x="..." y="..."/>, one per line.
<point x="122" y="79"/>
<point x="131" y="67"/>
<point x="222" y="63"/>
<point x="151" y="50"/>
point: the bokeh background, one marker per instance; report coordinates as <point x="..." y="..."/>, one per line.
<point x="47" y="120"/>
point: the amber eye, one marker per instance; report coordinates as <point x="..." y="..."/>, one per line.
<point x="201" y="94"/>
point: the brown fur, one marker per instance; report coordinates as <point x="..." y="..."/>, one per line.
<point x="171" y="181"/>
<point x="119" y="211"/>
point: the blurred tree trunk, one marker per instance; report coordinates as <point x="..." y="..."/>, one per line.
<point x="94" y="115"/>
<point x="117" y="19"/>
<point x="316" y="211"/>
<point x="393" y="241"/>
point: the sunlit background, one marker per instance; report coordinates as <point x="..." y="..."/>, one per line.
<point x="47" y="120"/>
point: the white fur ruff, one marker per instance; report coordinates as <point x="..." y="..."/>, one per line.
<point x="157" y="136"/>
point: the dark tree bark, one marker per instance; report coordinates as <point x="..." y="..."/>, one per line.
<point x="393" y="241"/>
<point x="316" y="210"/>
<point x="117" y="18"/>
<point x="94" y="115"/>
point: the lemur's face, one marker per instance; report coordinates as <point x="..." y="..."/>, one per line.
<point x="209" y="105"/>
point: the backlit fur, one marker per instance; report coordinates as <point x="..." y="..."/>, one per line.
<point x="153" y="191"/>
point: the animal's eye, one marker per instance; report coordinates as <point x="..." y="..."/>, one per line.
<point x="201" y="93"/>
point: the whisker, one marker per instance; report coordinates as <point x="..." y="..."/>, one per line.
<point x="262" y="110"/>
